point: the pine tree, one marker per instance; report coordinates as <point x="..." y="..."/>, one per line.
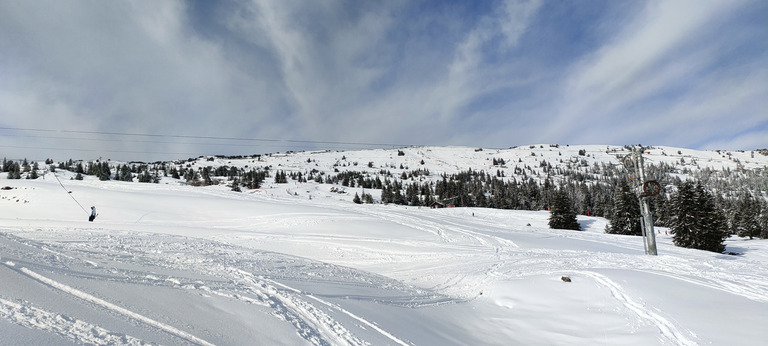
<point x="357" y="199"/>
<point x="562" y="215"/>
<point x="625" y="218"/>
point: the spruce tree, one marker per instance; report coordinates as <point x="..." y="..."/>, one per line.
<point x="103" y="171"/>
<point x="562" y="215"/>
<point x="33" y="174"/>
<point x="683" y="223"/>
<point x="696" y="222"/>
<point x="764" y="222"/>
<point x="746" y="221"/>
<point x="125" y="173"/>
<point x="386" y="194"/>
<point x="714" y="228"/>
<point x="236" y="185"/>
<point x="625" y="218"/>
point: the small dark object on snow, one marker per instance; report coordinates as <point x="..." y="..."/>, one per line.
<point x="7" y="188"/>
<point x="566" y="279"/>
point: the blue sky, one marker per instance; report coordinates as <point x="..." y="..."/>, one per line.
<point x="248" y="77"/>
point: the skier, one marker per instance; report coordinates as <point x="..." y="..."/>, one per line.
<point x="93" y="214"/>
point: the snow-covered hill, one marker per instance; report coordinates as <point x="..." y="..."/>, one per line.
<point x="451" y="160"/>
<point x="298" y="263"/>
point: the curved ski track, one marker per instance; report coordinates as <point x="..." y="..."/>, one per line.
<point x="308" y="313"/>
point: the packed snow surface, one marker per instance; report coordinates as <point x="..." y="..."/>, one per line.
<point x="297" y="264"/>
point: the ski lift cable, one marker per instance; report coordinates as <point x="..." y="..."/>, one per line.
<point x="197" y="137"/>
<point x="70" y="195"/>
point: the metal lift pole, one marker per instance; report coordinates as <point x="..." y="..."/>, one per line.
<point x="645" y="208"/>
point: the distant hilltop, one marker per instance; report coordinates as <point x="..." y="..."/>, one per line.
<point x="523" y="177"/>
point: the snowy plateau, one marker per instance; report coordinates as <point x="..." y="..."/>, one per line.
<point x="300" y="263"/>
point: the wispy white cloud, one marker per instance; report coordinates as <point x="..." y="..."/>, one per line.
<point x="657" y="77"/>
<point x="478" y="73"/>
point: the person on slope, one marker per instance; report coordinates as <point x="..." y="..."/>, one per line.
<point x="93" y="214"/>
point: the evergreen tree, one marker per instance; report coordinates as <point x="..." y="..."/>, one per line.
<point x="562" y="215"/>
<point x="357" y="199"/>
<point x="714" y="228"/>
<point x="103" y="171"/>
<point x="206" y="174"/>
<point x="683" y="223"/>
<point x="124" y="173"/>
<point x="236" y="185"/>
<point x="660" y="209"/>
<point x="145" y="177"/>
<point x="764" y="222"/>
<point x="281" y="177"/>
<point x="13" y="169"/>
<point x="175" y="173"/>
<point x="746" y="217"/>
<point x="191" y="177"/>
<point x="33" y="173"/>
<point x="695" y="220"/>
<point x="387" y="194"/>
<point x="625" y="218"/>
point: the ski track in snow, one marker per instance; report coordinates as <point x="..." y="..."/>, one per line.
<point x="499" y="252"/>
<point x="461" y="258"/>
<point x="313" y="324"/>
<point x="667" y="328"/>
<point x="26" y="315"/>
<point x="287" y="303"/>
<point x="107" y="305"/>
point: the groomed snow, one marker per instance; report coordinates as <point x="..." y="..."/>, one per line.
<point x="172" y="264"/>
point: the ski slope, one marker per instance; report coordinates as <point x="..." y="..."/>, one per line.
<point x="296" y="264"/>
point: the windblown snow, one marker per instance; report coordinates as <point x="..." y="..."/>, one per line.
<point x="296" y="264"/>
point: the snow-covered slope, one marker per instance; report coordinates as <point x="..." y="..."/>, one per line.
<point x="452" y="160"/>
<point x="172" y="264"/>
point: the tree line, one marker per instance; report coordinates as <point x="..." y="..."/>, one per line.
<point x="711" y="205"/>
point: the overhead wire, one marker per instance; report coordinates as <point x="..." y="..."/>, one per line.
<point x="83" y="135"/>
<point x="200" y="137"/>
<point x="149" y="138"/>
<point x="69" y="193"/>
